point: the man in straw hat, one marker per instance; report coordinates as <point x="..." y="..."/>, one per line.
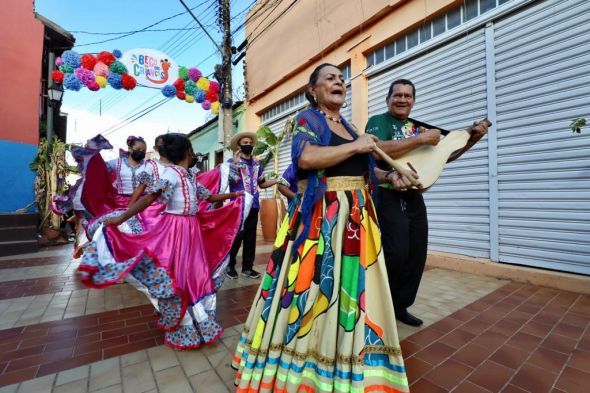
<point x="251" y="177"/>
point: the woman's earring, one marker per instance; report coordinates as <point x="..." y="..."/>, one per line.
<point x="345" y="104"/>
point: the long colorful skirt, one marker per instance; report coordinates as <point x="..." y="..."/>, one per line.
<point x="323" y="319"/>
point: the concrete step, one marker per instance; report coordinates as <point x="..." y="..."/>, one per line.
<point x="9" y="220"/>
<point x="23" y="233"/>
<point x="18" y="247"/>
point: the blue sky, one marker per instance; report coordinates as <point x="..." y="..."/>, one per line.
<point x="188" y="48"/>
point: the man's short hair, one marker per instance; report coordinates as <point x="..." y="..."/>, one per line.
<point x="400" y="82"/>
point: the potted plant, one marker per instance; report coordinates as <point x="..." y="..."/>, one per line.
<point x="272" y="210"/>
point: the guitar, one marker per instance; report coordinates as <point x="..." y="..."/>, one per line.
<point x="429" y="161"/>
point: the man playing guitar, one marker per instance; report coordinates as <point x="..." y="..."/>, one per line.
<point x="402" y="213"/>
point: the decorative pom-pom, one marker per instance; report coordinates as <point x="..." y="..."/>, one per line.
<point x="101" y="69"/>
<point x="85" y="76"/>
<point x="71" y="58"/>
<point x="118" y="68"/>
<point x="117" y="53"/>
<point x="214" y="86"/>
<point x="169" y="91"/>
<point x="215" y="107"/>
<point x="190" y="99"/>
<point x="200" y="96"/>
<point x="179" y="84"/>
<point x="206" y="105"/>
<point x="194" y="74"/>
<point x="203" y="84"/>
<point x="106" y="57"/>
<point x="57" y="76"/>
<point x="58" y="61"/>
<point x="102" y="81"/>
<point x="190" y="88"/>
<point x="128" y="82"/>
<point x="93" y="85"/>
<point x="211" y="96"/>
<point x="183" y="73"/>
<point x="66" y="69"/>
<point x="181" y="95"/>
<point x="88" y="61"/>
<point x="114" y="81"/>
<point x="72" y="83"/>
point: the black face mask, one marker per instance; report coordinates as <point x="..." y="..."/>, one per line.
<point x="137" y="155"/>
<point x="193" y="162"/>
<point x="247" y="149"/>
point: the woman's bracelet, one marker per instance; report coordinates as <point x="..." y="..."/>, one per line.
<point x="389" y="173"/>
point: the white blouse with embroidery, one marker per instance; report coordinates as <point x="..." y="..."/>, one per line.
<point x="180" y="190"/>
<point x="126" y="176"/>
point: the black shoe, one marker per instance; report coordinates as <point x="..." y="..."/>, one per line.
<point x="407" y="318"/>
<point x="231" y="273"/>
<point x="250" y="273"/>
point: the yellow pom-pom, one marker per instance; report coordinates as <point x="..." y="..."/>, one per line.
<point x="102" y="81"/>
<point x="215" y="107"/>
<point x="203" y="83"/>
<point x="189" y="99"/>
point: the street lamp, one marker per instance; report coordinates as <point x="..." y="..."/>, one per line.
<point x="55" y="94"/>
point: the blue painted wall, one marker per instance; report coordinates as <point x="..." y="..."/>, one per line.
<point x="17" y="189"/>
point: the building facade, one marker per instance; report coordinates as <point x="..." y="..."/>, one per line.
<point x="28" y="38"/>
<point x="522" y="195"/>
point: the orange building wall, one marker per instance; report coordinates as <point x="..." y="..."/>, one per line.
<point x="316" y="31"/>
<point x="21" y="49"/>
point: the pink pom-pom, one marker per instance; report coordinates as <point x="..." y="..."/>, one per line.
<point x="58" y="61"/>
<point x="88" y="61"/>
<point x="93" y="85"/>
<point x="194" y="74"/>
<point x="128" y="82"/>
<point x="101" y="69"/>
<point x="206" y="105"/>
<point x="214" y="86"/>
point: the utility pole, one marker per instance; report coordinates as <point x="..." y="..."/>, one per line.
<point x="226" y="115"/>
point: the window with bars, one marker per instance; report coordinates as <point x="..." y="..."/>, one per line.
<point x="445" y="22"/>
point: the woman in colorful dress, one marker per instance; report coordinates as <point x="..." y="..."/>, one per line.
<point x="322" y="320"/>
<point x="173" y="263"/>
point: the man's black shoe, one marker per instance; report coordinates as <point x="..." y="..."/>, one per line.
<point x="231" y="273"/>
<point x="407" y="318"/>
<point x="250" y="273"/>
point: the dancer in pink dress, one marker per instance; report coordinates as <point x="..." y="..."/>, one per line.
<point x="169" y="262"/>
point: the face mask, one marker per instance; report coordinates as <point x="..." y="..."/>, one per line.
<point x="247" y="149"/>
<point x="193" y="162"/>
<point x="137" y="155"/>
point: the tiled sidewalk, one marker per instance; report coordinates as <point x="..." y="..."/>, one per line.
<point x="480" y="335"/>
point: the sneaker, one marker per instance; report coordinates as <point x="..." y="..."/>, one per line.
<point x="251" y="273"/>
<point x="231" y="273"/>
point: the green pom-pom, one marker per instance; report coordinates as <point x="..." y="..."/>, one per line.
<point x="183" y="72"/>
<point x="118" y="68"/>
<point x="66" y="69"/>
<point x="190" y="88"/>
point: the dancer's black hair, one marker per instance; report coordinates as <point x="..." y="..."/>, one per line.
<point x="175" y="147"/>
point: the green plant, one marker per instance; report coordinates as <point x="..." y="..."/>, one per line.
<point x="577" y="125"/>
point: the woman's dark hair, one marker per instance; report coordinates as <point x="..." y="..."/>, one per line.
<point x="175" y="146"/>
<point x="159" y="148"/>
<point x="132" y="140"/>
<point x="313" y="79"/>
<point x="400" y="82"/>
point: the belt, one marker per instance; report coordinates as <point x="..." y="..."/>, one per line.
<point x="337" y="183"/>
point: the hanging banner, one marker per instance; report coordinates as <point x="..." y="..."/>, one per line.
<point x="150" y="67"/>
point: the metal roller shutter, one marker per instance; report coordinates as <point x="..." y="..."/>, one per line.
<point x="451" y="93"/>
<point x="542" y="83"/>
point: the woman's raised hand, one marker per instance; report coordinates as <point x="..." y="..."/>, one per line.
<point x="365" y="143"/>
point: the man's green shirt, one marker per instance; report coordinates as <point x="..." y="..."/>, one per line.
<point x="388" y="128"/>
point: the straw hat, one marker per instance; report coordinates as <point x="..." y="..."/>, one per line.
<point x="243" y="134"/>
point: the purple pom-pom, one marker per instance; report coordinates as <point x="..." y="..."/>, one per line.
<point x="58" y="61"/>
<point x="169" y="91"/>
<point x="200" y="96"/>
<point x="71" y="58"/>
<point x="85" y="76"/>
<point x="115" y="81"/>
<point x="71" y="82"/>
<point x="117" y="53"/>
<point x="194" y="74"/>
<point x="206" y="105"/>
